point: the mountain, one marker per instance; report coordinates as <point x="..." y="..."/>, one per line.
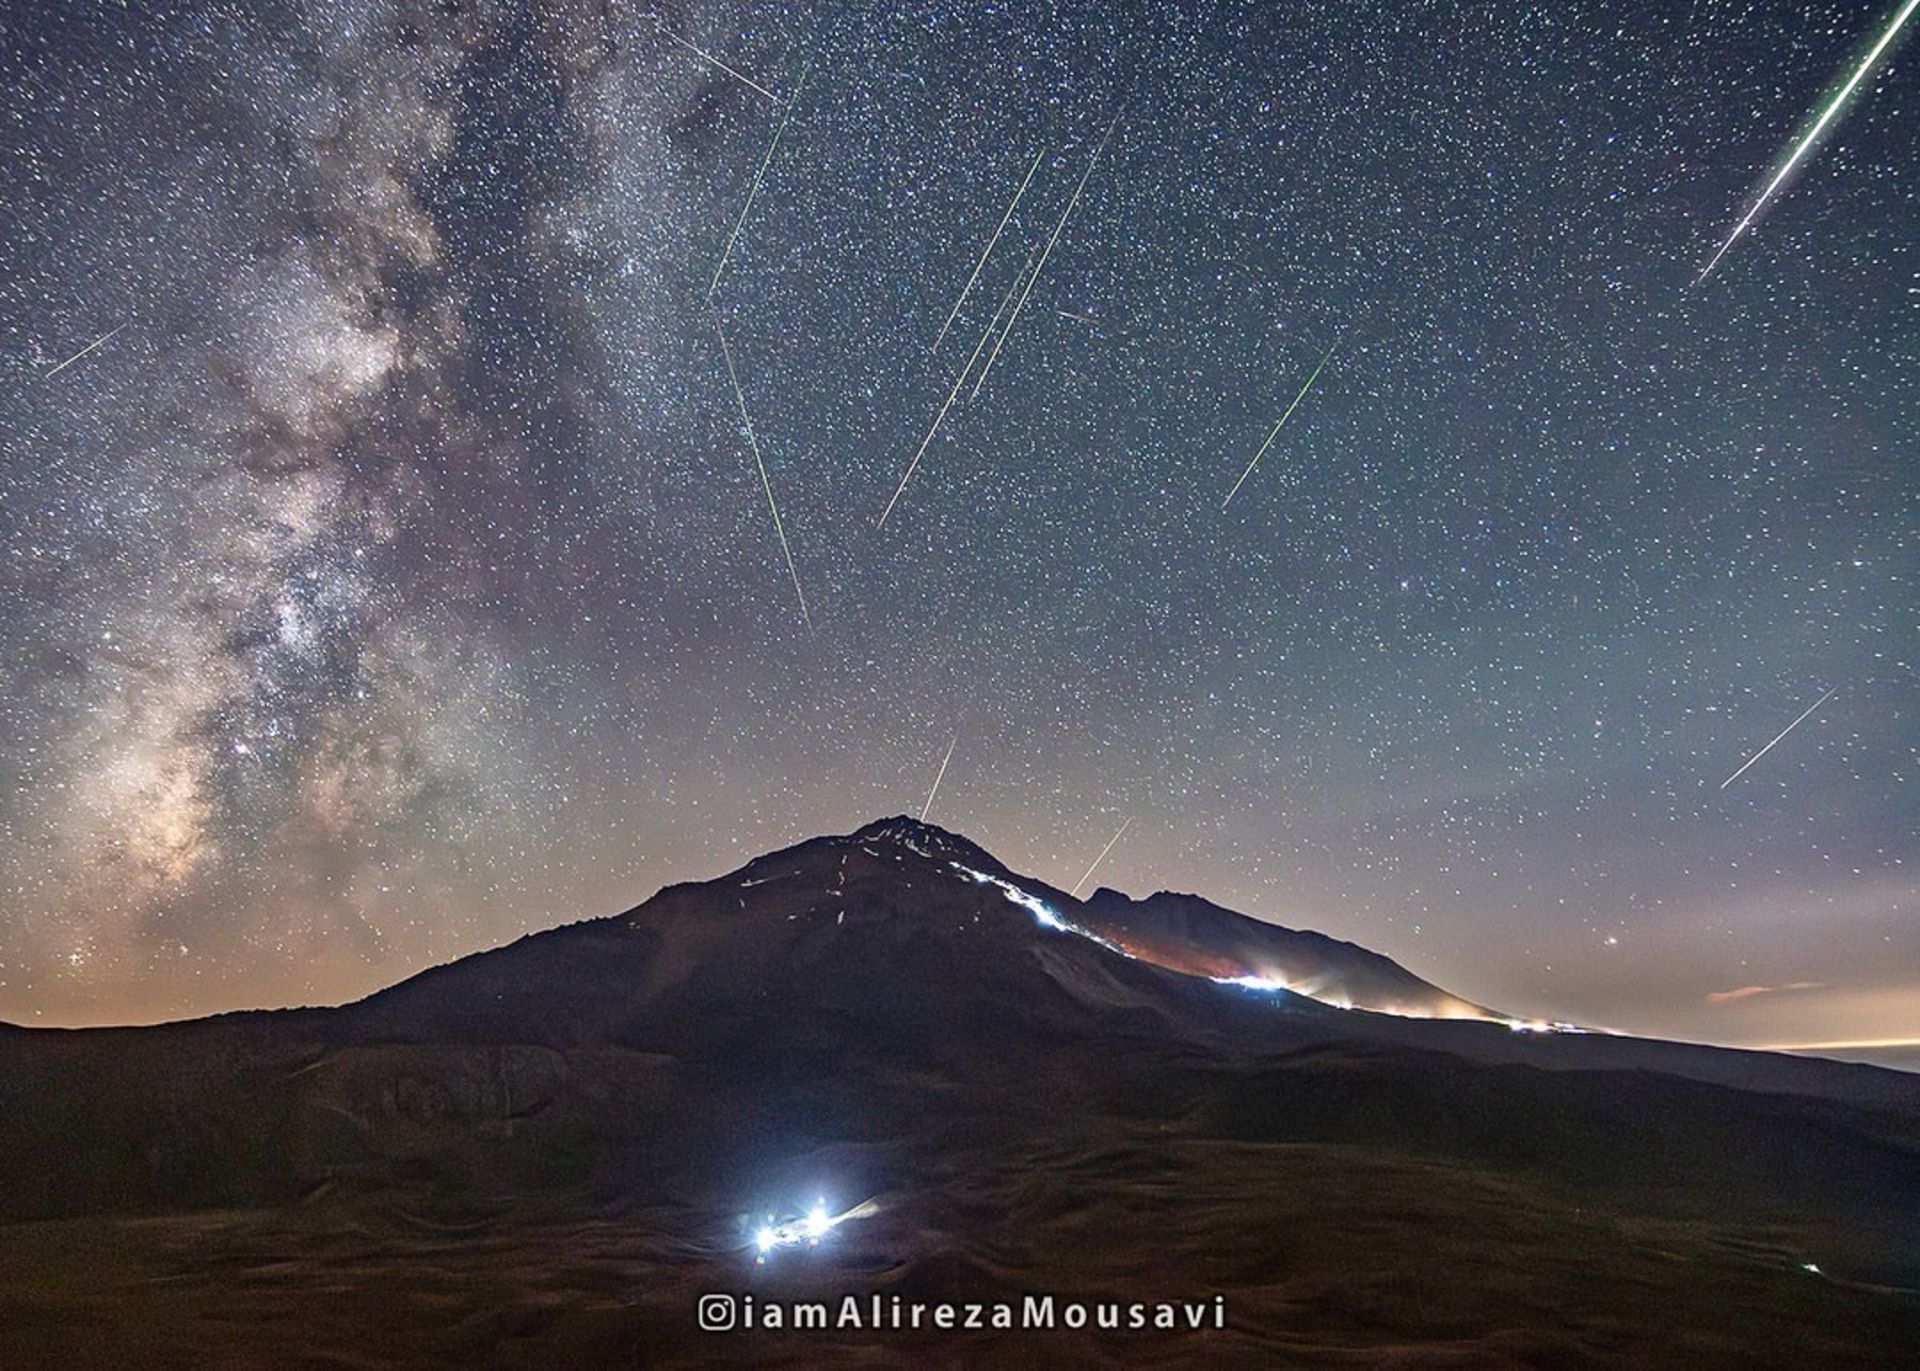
<point x="546" y="1152"/>
<point x="1900" y="1056"/>
<point x="1188" y="934"/>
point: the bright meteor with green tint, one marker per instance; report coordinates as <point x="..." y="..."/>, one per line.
<point x="753" y="444"/>
<point x="1281" y="422"/>
<point x="1827" y="116"/>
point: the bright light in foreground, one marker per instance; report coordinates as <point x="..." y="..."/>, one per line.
<point x="807" y="1230"/>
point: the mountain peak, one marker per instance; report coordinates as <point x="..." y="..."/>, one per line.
<point x="1177" y="932"/>
<point x="928" y="840"/>
<point x="893" y="1024"/>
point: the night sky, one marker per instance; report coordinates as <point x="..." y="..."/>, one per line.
<point x="397" y="577"/>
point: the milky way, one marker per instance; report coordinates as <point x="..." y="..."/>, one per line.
<point x="395" y="576"/>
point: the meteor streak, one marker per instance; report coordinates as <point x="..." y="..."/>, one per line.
<point x="55" y="371"/>
<point x="1783" y="732"/>
<point x="926" y="808"/>
<point x="953" y="394"/>
<point x="758" y="176"/>
<point x="1000" y="310"/>
<point x="1827" y="116"/>
<point x="754" y="443"/>
<point x="711" y="60"/>
<point x="988" y="249"/>
<point x="1281" y="423"/>
<point x="1058" y="228"/>
<point x="1075" y="892"/>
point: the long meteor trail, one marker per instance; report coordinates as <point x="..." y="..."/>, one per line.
<point x="1274" y="432"/>
<point x="958" y="381"/>
<point x="1783" y="733"/>
<point x="987" y="251"/>
<point x="940" y="776"/>
<point x="999" y="310"/>
<point x="1058" y="229"/>
<point x="758" y="176"/>
<point x="1075" y="892"/>
<point x="1827" y="116"/>
<point x="754" y="443"/>
<point x="711" y="60"/>
<point x="103" y="338"/>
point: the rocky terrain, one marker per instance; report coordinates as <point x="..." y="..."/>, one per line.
<point x="545" y="1153"/>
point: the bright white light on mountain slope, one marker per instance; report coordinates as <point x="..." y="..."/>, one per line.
<point x="1033" y="904"/>
<point x="1252" y="982"/>
<point x="1541" y="1026"/>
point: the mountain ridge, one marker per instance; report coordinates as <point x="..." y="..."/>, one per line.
<point x="1107" y="919"/>
<point x="565" y="1140"/>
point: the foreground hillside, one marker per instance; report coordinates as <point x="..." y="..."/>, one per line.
<point x="546" y="1153"/>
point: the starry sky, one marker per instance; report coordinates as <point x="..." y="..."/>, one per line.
<point x="397" y="576"/>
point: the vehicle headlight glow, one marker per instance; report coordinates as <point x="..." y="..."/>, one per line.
<point x="806" y="1230"/>
<point x="1252" y="982"/>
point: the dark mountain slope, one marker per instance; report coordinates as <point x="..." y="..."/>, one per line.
<point x="586" y="1116"/>
<point x="1187" y="933"/>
